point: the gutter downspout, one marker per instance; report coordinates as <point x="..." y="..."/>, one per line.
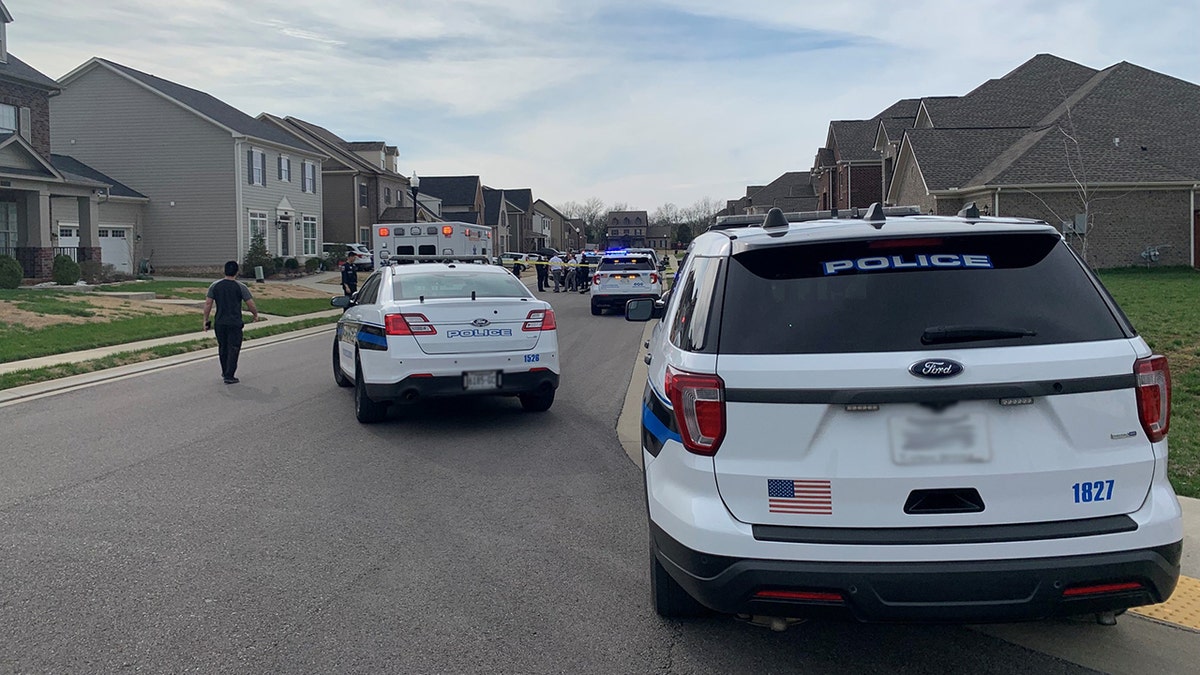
<point x="1192" y="229"/>
<point x="237" y="200"/>
<point x="996" y="205"/>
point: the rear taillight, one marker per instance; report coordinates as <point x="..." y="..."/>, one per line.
<point x="699" y="402"/>
<point x="1103" y="589"/>
<point x="540" y="319"/>
<point x="1153" y="396"/>
<point x="596" y="280"/>
<point x="653" y="278"/>
<point x="407" y="324"/>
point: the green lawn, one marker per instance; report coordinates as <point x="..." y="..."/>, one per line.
<point x="182" y="290"/>
<point x="1163" y="305"/>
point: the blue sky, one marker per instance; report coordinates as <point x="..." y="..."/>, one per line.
<point x="641" y="102"/>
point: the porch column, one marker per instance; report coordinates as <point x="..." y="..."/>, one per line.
<point x="34" y="252"/>
<point x="89" y="228"/>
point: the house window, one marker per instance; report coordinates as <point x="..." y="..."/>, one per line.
<point x="285" y="168"/>
<point x="8" y="227"/>
<point x="310" y="234"/>
<point x="102" y="233"/>
<point x="8" y="118"/>
<point x="308" y="172"/>
<point x="258" y="224"/>
<point x="258" y="167"/>
<point x="117" y="234"/>
<point x="387" y="195"/>
<point x="363" y="195"/>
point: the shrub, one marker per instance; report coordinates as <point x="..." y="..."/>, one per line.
<point x="91" y="271"/>
<point x="312" y="265"/>
<point x="291" y="264"/>
<point x="10" y="272"/>
<point x="65" y="271"/>
<point x="277" y="263"/>
<point x="258" y="256"/>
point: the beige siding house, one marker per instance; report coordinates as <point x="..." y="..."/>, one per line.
<point x="213" y="175"/>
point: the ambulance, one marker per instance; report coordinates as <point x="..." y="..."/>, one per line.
<point x="449" y="239"/>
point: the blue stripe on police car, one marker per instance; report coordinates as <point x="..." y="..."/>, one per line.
<point x="901" y="262"/>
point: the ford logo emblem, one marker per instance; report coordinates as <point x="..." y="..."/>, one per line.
<point x="936" y="368"/>
<point x="480" y="323"/>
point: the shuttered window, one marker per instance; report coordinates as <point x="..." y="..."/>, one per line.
<point x="285" y="168"/>
<point x="256" y="164"/>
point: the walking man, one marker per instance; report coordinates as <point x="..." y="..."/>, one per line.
<point x="228" y="295"/>
<point x="350" y="274"/>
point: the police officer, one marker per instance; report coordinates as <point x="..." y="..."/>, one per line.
<point x="350" y="274"/>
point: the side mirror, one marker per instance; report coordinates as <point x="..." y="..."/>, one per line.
<point x="341" y="301"/>
<point x="644" y="309"/>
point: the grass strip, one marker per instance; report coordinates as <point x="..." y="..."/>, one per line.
<point x="35" y="375"/>
<point x="292" y="306"/>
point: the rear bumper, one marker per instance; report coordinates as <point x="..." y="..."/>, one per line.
<point x="619" y="300"/>
<point x="413" y="388"/>
<point x="923" y="592"/>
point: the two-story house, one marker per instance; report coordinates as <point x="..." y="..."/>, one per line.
<point x="35" y="184"/>
<point x="360" y="179"/>
<point x="626" y="228"/>
<point x="215" y="176"/>
<point x="563" y="235"/>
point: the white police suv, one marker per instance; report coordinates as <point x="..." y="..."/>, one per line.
<point x="624" y="276"/>
<point x="902" y="418"/>
<point x="444" y="329"/>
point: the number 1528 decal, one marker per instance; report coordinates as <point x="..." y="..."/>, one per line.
<point x="1093" y="491"/>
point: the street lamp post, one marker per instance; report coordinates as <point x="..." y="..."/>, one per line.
<point x="414" y="184"/>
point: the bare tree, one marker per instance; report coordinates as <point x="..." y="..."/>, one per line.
<point x="592" y="213"/>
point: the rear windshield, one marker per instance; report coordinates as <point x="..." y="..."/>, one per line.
<point x="632" y="263"/>
<point x="912" y="294"/>
<point x="457" y="284"/>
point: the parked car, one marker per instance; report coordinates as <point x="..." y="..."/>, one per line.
<point x="444" y="329"/>
<point x="339" y="251"/>
<point x="902" y="418"/>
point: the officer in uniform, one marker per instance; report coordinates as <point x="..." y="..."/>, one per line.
<point x="350" y="274"/>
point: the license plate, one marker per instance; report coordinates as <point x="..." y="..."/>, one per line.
<point x="940" y="439"/>
<point x="483" y="379"/>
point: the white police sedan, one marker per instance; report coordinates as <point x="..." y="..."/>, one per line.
<point x="430" y="330"/>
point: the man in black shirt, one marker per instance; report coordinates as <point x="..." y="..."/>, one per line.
<point x="350" y="274"/>
<point x="228" y="295"/>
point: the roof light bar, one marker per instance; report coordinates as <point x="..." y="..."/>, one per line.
<point x="875" y="214"/>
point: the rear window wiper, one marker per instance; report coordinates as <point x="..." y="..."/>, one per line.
<point x="939" y="334"/>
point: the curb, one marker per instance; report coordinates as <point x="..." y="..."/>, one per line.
<point x="63" y="384"/>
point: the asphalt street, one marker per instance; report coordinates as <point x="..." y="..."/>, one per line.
<point x="166" y="522"/>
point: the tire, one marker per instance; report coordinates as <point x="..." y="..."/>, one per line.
<point x="597" y="310"/>
<point x="538" y="401"/>
<point x="669" y="598"/>
<point x="339" y="377"/>
<point x="366" y="410"/>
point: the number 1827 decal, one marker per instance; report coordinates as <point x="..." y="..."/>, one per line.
<point x="1093" y="491"/>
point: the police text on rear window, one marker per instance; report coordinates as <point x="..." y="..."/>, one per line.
<point x="963" y="291"/>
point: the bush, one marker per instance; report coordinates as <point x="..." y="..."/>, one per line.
<point x="91" y="271"/>
<point x="312" y="265"/>
<point x="10" y="272"/>
<point x="258" y="256"/>
<point x="291" y="264"/>
<point x="277" y="264"/>
<point x="65" y="271"/>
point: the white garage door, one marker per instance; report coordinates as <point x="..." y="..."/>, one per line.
<point x="114" y="243"/>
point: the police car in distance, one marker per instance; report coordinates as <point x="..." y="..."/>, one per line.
<point x="902" y="418"/>
<point x="426" y="330"/>
<point x="621" y="276"/>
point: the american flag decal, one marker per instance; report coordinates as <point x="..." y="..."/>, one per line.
<point x="813" y="497"/>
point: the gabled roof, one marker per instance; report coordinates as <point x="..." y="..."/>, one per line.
<point x="950" y="158"/>
<point x="492" y="199"/>
<point x="454" y="190"/>
<point x="522" y="198"/>
<point x="787" y="188"/>
<point x="325" y="141"/>
<point x="1017" y="100"/>
<point x="853" y="140"/>
<point x="20" y="72"/>
<point x="366" y="145"/>
<point x="43" y="168"/>
<point x="462" y="216"/>
<point x="73" y="168"/>
<point x="550" y="206"/>
<point x="198" y="102"/>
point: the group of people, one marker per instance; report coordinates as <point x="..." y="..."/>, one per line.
<point x="571" y="274"/>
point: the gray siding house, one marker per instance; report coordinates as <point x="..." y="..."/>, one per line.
<point x="213" y="175"/>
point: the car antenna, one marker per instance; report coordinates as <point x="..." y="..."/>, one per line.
<point x="421" y="298"/>
<point x="472" y="295"/>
